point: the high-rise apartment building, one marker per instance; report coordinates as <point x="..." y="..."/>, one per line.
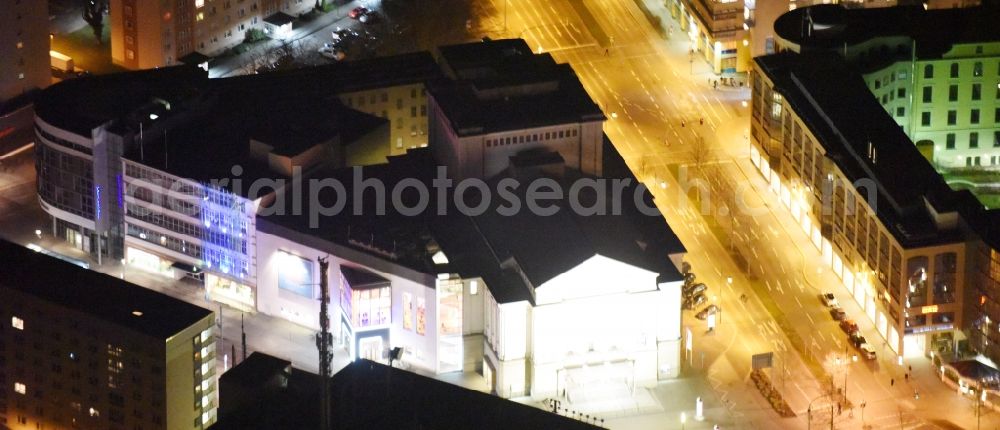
<point x="25" y="48"/>
<point x="148" y="34"/>
<point x="81" y="349"/>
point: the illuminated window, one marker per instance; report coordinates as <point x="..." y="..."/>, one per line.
<point x="17" y="323"/>
<point x="474" y="287"/>
<point x="200" y="16"/>
<point x="19" y="388"/>
<point x="20" y="45"/>
<point x="94" y="412"/>
<point x="199" y="4"/>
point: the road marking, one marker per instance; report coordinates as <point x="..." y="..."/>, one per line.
<point x="797" y="300"/>
<point x="811" y="322"/>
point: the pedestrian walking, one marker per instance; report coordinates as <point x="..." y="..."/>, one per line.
<point x="892" y="382"/>
<point x="907" y="377"/>
<point x="910" y="368"/>
<point x="839" y="408"/>
<point x="715" y="84"/>
<point x="605" y="52"/>
<point x="701" y="121"/>
<point x="682" y="123"/>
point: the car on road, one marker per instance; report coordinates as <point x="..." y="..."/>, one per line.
<point x="829" y="300"/>
<point x="332" y="53"/>
<point x="328" y="45"/>
<point x="848" y="326"/>
<point x="357" y="12"/>
<point x="695" y="289"/>
<point x="867" y="351"/>
<point x="710" y="310"/>
<point x="695" y="301"/>
<point x="838" y="314"/>
<point x="688" y="278"/>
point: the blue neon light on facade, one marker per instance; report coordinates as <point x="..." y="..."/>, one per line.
<point x="97" y="200"/>
<point x="121" y="191"/>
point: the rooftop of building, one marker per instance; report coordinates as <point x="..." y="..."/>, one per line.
<point x="934" y="31"/>
<point x="501" y="248"/>
<point x="104" y="297"/>
<point x="835" y="104"/>
<point x="500" y="85"/>
<point x="368" y="395"/>
<point x="411" y="240"/>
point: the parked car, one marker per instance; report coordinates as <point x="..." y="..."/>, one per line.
<point x="848" y="326"/>
<point x="838" y="314"/>
<point x="332" y="53"/>
<point x="688" y="278"/>
<point x="357" y="12"/>
<point x="695" y="301"/>
<point x="369" y="17"/>
<point x="704" y="313"/>
<point x="695" y="289"/>
<point x="829" y="300"/>
<point x="867" y="351"/>
<point x="857" y="340"/>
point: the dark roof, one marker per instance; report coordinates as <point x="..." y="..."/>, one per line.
<point x="835" y="104"/>
<point x="105" y="297"/>
<point x="974" y="369"/>
<point x="257" y="369"/>
<point x="390" y="236"/>
<point x="194" y="58"/>
<point x="368" y="395"/>
<point x="80" y="105"/>
<point x="374" y="396"/>
<point x="361" y="279"/>
<point x="289" y="110"/>
<point x="544" y="247"/>
<point x="279" y="19"/>
<point x="501" y="85"/>
<point x="933" y="30"/>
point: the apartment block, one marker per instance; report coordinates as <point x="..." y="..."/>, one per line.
<point x="149" y="34"/>
<point x="81" y="349"/>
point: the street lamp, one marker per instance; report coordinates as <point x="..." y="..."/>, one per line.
<point x="683" y="420"/>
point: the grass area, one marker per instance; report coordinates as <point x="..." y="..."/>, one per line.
<point x="87" y="53"/>
<point x="984" y="184"/>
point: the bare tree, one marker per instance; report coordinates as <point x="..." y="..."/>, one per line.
<point x="93" y="14"/>
<point x="701" y="152"/>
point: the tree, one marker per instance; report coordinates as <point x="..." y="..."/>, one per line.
<point x="93" y="14"/>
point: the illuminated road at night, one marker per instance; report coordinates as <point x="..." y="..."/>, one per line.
<point x="657" y="99"/>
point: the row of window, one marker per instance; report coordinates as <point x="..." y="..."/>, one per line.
<point x="534" y="137"/>
<point x="954" y="70"/>
<point x="976" y="93"/>
<point x="949" y="142"/>
<point x="974" y="117"/>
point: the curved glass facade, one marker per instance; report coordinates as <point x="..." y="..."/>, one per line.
<point x="65" y="181"/>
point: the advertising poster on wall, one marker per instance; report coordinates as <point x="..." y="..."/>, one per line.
<point x="407" y="311"/>
<point x="421" y="316"/>
<point x="295" y="274"/>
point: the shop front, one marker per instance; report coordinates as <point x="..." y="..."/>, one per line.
<point x="232" y="293"/>
<point x="366" y="305"/>
<point x="149" y="262"/>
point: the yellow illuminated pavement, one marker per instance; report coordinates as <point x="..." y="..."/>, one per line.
<point x="659" y="102"/>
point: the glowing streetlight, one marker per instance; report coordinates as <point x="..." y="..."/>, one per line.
<point x="683" y="420"/>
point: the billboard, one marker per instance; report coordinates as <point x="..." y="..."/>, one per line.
<point x="295" y="274"/>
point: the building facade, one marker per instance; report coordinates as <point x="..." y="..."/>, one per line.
<point x="899" y="253"/>
<point x="116" y="357"/>
<point x="146" y="35"/>
<point x="942" y="87"/>
<point x="718" y="31"/>
<point x="500" y="100"/>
